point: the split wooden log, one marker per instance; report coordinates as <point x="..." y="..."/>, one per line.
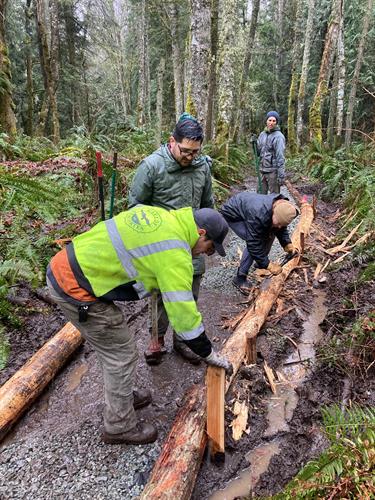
<point x="28" y="382"/>
<point x="215" y="383"/>
<point x="175" y="471"/>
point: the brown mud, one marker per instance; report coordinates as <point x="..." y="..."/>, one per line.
<point x="283" y="430"/>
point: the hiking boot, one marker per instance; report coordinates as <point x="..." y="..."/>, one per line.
<point x="141" y="398"/>
<point x="241" y="283"/>
<point x="153" y="354"/>
<point x="182" y="349"/>
<point x="142" y="433"/>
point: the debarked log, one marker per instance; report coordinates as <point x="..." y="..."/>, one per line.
<point x="174" y="473"/>
<point x="28" y="382"/>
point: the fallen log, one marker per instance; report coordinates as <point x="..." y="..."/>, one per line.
<point x="176" y="469"/>
<point x="28" y="382"/>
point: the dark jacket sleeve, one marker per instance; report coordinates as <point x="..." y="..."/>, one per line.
<point x="283" y="236"/>
<point x="142" y="186"/>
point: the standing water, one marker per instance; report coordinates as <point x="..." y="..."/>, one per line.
<point x="293" y="372"/>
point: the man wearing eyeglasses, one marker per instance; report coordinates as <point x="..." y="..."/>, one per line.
<point x="175" y="176"/>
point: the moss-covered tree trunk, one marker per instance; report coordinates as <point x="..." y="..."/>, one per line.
<point x="304" y="71"/>
<point x="212" y="84"/>
<point x="368" y="16"/>
<point x="7" y="116"/>
<point x="177" y="57"/>
<point x="340" y="80"/>
<point x="71" y="33"/>
<point x="49" y="58"/>
<point x="200" y="53"/>
<point x="243" y="108"/>
<point x="159" y="102"/>
<point x="292" y="99"/>
<point x="315" y="111"/>
<point x="29" y="126"/>
<point x="144" y="68"/>
<point x="229" y="56"/>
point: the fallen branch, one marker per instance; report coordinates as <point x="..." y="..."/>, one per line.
<point x="28" y="382"/>
<point x="271" y="378"/>
<point x="175" y="471"/>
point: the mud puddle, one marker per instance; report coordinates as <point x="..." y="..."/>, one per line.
<point x="291" y="374"/>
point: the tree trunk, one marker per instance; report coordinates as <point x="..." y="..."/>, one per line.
<point x="144" y="69"/>
<point x="49" y="59"/>
<point x="29" y="127"/>
<point x="24" y="387"/>
<point x="304" y="70"/>
<point x="212" y="86"/>
<point x="315" y="111"/>
<point x="227" y="80"/>
<point x="200" y="48"/>
<point x="159" y="102"/>
<point x="243" y="111"/>
<point x="71" y="43"/>
<point x="332" y="108"/>
<point x="176" y="469"/>
<point x="292" y="100"/>
<point x="7" y="116"/>
<point x="353" y="89"/>
<point x="278" y="61"/>
<point x="177" y="58"/>
<point x="340" y="79"/>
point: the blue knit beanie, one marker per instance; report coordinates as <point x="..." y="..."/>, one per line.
<point x="275" y="114"/>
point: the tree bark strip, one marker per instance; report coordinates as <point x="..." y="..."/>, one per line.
<point x="28" y="382"/>
<point x="176" y="469"/>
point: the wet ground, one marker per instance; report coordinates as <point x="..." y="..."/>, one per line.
<point x="55" y="450"/>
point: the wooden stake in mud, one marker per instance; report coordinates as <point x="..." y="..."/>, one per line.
<point x="215" y="382"/>
<point x="24" y="387"/>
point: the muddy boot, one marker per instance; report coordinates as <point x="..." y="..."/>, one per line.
<point x="241" y="283"/>
<point x="141" y="398"/>
<point x="142" y="433"/>
<point x="182" y="349"/>
<point x="154" y="353"/>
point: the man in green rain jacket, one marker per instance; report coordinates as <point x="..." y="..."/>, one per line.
<point x="125" y="258"/>
<point x="176" y="176"/>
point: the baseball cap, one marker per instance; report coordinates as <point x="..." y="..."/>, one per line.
<point x="215" y="225"/>
<point x="284" y="212"/>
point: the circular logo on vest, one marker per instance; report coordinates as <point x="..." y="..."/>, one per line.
<point x="143" y="220"/>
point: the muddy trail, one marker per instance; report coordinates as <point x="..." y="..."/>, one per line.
<point x="55" y="450"/>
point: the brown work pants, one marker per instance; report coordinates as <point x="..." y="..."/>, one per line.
<point x="108" y="334"/>
<point x="270" y="183"/>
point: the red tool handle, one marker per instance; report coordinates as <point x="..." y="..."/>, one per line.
<point x="99" y="163"/>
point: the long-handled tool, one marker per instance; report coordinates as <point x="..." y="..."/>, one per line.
<point x="154" y="352"/>
<point x="113" y="185"/>
<point x="256" y="158"/>
<point x="100" y="183"/>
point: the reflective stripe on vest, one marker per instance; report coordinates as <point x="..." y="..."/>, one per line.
<point x="159" y="246"/>
<point x="177" y="296"/>
<point x="193" y="334"/>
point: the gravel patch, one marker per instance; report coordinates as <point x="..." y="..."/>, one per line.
<point x="74" y="465"/>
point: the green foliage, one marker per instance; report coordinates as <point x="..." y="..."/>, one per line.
<point x="228" y="161"/>
<point x="345" y="469"/>
<point x="4" y="347"/>
<point x="27" y="148"/>
<point x="351" y="350"/>
<point x="348" y="176"/>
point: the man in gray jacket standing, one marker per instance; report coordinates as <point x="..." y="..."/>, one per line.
<point x="271" y="148"/>
<point x="176" y="176"/>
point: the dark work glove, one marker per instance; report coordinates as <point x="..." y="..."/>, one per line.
<point x="215" y="359"/>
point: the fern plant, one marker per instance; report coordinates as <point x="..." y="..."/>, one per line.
<point x="346" y="468"/>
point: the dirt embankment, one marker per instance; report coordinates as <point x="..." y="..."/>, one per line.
<point x="57" y="447"/>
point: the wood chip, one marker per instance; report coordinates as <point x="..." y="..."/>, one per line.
<point x="340" y="259"/>
<point x="339" y="248"/>
<point x="239" y="424"/>
<point x="317" y="270"/>
<point x="305" y="276"/>
<point x="270" y="376"/>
